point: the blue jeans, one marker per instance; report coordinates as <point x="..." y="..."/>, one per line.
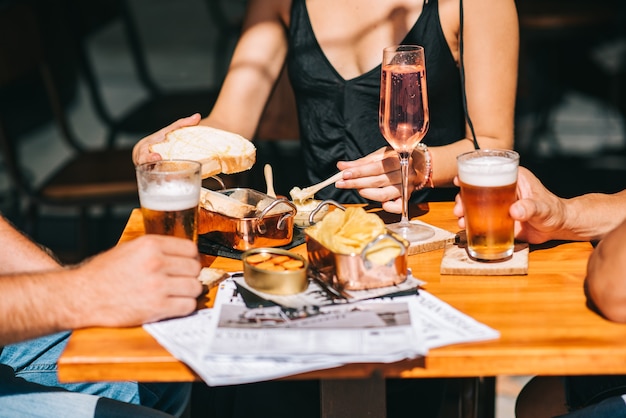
<point x="583" y="391"/>
<point x="35" y="361"/>
<point x="613" y="407"/>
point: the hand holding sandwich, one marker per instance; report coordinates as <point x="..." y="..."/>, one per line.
<point x="219" y="151"/>
<point x="141" y="150"/>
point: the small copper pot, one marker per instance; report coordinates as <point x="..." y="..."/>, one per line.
<point x="270" y="226"/>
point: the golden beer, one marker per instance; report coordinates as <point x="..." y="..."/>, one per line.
<point x="178" y="223"/>
<point x="169" y="193"/>
<point x="488" y="181"/>
<point x="489" y="226"/>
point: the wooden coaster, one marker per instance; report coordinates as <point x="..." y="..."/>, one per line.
<point x="439" y="240"/>
<point x="456" y="260"/>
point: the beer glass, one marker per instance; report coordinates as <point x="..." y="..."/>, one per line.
<point x="169" y="193"/>
<point x="488" y="180"/>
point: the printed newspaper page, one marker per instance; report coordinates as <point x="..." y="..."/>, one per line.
<point x="243" y="341"/>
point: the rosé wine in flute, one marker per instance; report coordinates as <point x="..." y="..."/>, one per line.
<point x="403" y="106"/>
<point x="403" y="119"/>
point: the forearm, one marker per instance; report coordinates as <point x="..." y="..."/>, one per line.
<point x="490" y="63"/>
<point x="20" y="254"/>
<point x="606" y="275"/>
<point x="36" y="304"/>
<point x="591" y="216"/>
<point x="255" y="66"/>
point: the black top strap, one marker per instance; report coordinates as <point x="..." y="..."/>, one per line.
<point x="463" y="95"/>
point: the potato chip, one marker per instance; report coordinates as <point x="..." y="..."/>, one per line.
<point x="384" y="251"/>
<point x="349" y="231"/>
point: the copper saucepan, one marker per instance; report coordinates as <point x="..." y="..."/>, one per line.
<point x="270" y="225"/>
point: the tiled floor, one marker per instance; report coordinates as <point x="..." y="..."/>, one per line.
<point x="507" y="388"/>
<point x="183" y="56"/>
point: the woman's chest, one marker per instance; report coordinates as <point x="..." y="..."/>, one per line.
<point x="352" y="33"/>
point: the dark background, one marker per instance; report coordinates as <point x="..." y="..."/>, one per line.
<point x="568" y="49"/>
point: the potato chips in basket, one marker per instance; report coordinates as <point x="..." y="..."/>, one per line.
<point x="355" y="250"/>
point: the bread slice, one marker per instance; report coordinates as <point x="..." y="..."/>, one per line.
<point x="211" y="277"/>
<point x="219" y="151"/>
<point x="226" y="205"/>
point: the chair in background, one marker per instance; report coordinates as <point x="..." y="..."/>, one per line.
<point x="161" y="106"/>
<point x="90" y="177"/>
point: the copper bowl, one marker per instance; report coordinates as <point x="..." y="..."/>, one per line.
<point x="356" y="271"/>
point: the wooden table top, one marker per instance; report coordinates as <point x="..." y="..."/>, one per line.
<point x="545" y="325"/>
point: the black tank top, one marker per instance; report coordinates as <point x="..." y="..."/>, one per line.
<point x="339" y="118"/>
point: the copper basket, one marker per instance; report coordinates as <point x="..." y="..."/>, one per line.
<point x="355" y="271"/>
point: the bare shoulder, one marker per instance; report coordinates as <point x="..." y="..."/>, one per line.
<point x="487" y="18"/>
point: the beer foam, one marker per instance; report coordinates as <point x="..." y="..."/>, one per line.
<point x="488" y="171"/>
<point x="169" y="196"/>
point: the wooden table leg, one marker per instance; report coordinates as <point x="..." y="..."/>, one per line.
<point x="360" y="398"/>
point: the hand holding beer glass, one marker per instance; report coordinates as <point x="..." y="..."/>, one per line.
<point x="488" y="180"/>
<point x="169" y="194"/>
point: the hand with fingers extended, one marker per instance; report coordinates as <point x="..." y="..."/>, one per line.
<point x="538" y="213"/>
<point x="377" y="177"/>
<point x="541" y="215"/>
<point x="141" y="150"/>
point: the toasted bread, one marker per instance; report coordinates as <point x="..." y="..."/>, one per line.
<point x="211" y="277"/>
<point x="226" y="205"/>
<point x="219" y="151"/>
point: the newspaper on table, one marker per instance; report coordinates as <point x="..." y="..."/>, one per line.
<point x="249" y="336"/>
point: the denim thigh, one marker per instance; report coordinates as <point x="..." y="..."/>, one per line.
<point x="582" y="391"/>
<point x="24" y="399"/>
<point x="613" y="407"/>
<point x="36" y="361"/>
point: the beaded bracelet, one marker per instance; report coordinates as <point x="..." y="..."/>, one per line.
<point x="428" y="166"/>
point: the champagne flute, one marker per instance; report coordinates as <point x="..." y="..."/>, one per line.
<point x="403" y="119"/>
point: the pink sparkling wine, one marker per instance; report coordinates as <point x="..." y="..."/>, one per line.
<point x="403" y="112"/>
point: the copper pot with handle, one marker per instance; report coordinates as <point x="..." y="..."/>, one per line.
<point x="269" y="223"/>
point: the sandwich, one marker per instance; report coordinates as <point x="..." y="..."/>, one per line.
<point x="219" y="151"/>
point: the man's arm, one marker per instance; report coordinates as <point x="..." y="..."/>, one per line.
<point x="542" y="216"/>
<point x="593" y="215"/>
<point x="606" y="275"/>
<point x="147" y="279"/>
<point x="20" y="253"/>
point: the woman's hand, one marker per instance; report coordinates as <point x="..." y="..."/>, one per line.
<point x="141" y="151"/>
<point x="378" y="177"/>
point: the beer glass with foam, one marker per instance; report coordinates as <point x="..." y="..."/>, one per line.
<point x="169" y="193"/>
<point x="488" y="180"/>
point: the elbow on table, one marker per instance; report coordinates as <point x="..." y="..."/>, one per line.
<point x="605" y="283"/>
<point x="608" y="302"/>
<point x="614" y="314"/>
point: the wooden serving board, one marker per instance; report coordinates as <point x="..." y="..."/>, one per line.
<point x="439" y="240"/>
<point x="457" y="261"/>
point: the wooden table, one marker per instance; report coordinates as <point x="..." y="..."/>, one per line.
<point x="545" y="326"/>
